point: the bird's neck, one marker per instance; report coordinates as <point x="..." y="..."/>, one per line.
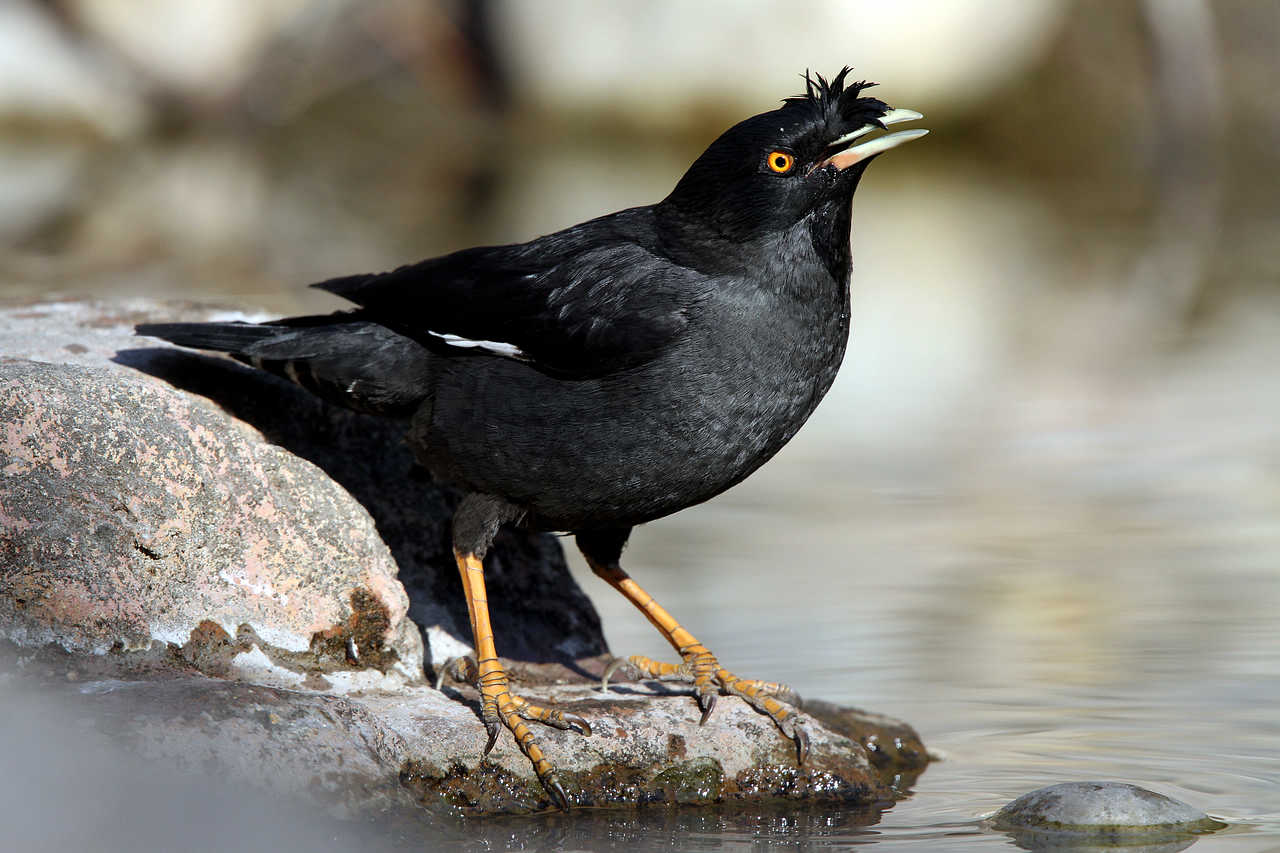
<point x="694" y="242"/>
<point x="828" y="228"/>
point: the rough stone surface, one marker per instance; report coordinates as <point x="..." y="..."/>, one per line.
<point x="892" y="746"/>
<point x="191" y="464"/>
<point x="375" y="751"/>
<point x="210" y="566"/>
<point x="133" y="515"/>
<point x="1106" y="810"/>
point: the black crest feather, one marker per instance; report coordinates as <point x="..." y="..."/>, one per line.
<point x="837" y="100"/>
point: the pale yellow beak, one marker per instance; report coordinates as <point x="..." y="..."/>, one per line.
<point x="864" y="150"/>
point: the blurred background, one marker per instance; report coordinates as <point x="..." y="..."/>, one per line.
<point x="1039" y="514"/>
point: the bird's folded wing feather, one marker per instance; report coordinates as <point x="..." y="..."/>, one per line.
<point x="575" y="313"/>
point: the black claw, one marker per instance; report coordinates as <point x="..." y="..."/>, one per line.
<point x="706" y="701"/>
<point x="578" y="725"/>
<point x="802" y="745"/>
<point x="493" y="737"/>
<point x="557" y="793"/>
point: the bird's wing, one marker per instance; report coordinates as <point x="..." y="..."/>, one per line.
<point x="576" y="312"/>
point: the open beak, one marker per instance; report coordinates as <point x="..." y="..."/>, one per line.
<point x="870" y="148"/>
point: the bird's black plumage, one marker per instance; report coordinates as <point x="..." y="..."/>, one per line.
<point x="622" y="369"/>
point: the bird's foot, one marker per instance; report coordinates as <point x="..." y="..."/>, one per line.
<point x="700" y="668"/>
<point x="500" y="708"/>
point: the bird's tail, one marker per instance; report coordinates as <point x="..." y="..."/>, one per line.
<point x="354" y="363"/>
<point x="221" y="337"/>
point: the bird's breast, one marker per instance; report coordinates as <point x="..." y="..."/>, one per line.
<point x="643" y="443"/>
<point x="764" y="376"/>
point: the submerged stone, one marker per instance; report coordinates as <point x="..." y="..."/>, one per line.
<point x="1100" y="815"/>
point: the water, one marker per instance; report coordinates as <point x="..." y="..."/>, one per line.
<point x="1023" y="668"/>
<point x="1037" y="518"/>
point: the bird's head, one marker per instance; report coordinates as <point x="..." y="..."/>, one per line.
<point x="773" y="170"/>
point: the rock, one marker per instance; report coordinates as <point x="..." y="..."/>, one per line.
<point x="135" y="516"/>
<point x="892" y="746"/>
<point x="369" y="752"/>
<point x="223" y="573"/>
<point x="205" y="468"/>
<point x="700" y="72"/>
<point x="206" y="52"/>
<point x="47" y="77"/>
<point x="77" y="776"/>
<point x="1085" y="815"/>
<point x="647" y="747"/>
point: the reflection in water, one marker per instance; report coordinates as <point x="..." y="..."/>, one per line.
<point x="1050" y="842"/>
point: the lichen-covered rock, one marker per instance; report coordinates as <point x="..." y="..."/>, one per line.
<point x="892" y="746"/>
<point x="365" y="752"/>
<point x="646" y="747"/>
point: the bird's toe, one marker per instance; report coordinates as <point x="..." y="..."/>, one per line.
<point x="553" y="717"/>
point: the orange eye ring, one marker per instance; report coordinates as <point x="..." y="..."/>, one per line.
<point x="780" y="162"/>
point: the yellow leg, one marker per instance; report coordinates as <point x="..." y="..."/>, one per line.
<point x="498" y="705"/>
<point x="699" y="666"/>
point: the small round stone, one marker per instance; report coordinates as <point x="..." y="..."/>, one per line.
<point x="1101" y="808"/>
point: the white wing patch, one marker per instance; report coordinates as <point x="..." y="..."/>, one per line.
<point x="495" y="347"/>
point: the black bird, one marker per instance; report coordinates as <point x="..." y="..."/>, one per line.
<point x="613" y="372"/>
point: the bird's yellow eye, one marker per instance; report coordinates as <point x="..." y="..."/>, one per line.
<point x="780" y="162"/>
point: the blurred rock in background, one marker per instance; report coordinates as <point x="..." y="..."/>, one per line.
<point x="726" y="58"/>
